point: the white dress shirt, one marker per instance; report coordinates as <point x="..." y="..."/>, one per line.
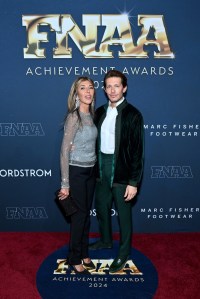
<point x="108" y="129"/>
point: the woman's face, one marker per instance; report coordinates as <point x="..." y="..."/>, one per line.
<point x="85" y="92"/>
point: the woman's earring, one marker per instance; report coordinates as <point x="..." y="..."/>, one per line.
<point x="77" y="102"/>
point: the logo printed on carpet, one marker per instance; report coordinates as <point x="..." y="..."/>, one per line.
<point x="138" y="279"/>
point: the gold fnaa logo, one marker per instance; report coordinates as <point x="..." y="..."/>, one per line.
<point x="101" y="268"/>
<point x="64" y="26"/>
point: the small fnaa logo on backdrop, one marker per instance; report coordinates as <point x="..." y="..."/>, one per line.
<point x="21" y="129"/>
<point x="27" y="213"/>
<point x="171" y="172"/>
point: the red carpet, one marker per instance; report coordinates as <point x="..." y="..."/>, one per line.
<point x="175" y="256"/>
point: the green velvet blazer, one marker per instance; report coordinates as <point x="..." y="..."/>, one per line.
<point x="129" y="144"/>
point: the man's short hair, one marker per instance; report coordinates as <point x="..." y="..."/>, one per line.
<point x="115" y="73"/>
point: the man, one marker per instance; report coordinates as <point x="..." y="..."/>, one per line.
<point x="120" y="165"/>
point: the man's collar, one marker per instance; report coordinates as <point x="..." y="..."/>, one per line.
<point x="119" y="107"/>
<point x="118" y="103"/>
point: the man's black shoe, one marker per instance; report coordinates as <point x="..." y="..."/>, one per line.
<point x="100" y="245"/>
<point x="118" y="264"/>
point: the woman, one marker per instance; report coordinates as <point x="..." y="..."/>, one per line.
<point x="77" y="161"/>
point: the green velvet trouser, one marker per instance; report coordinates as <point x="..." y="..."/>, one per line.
<point x="105" y="194"/>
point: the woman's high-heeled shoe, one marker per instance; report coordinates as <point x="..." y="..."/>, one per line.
<point x="89" y="266"/>
<point x="85" y="271"/>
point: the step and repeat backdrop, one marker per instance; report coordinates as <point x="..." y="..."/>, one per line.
<point x="45" y="45"/>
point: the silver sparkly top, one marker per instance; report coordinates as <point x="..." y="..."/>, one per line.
<point x="78" y="145"/>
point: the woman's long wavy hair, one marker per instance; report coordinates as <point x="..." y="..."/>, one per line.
<point x="73" y="94"/>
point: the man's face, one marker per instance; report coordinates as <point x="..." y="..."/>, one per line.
<point x="114" y="89"/>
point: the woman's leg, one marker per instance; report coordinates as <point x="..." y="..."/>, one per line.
<point x="90" y="186"/>
<point x="78" y="177"/>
